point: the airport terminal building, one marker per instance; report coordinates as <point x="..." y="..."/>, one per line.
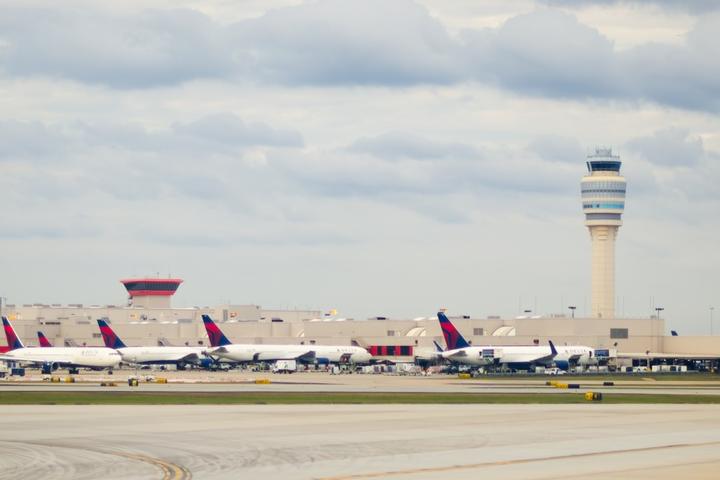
<point x="148" y="318"/>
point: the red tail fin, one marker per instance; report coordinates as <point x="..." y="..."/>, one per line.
<point x="42" y="339"/>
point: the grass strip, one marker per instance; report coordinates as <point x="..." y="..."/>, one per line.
<point x="632" y="377"/>
<point x="326" y="398"/>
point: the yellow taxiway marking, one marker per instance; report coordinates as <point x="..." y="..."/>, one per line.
<point x="469" y="466"/>
<point x="170" y="471"/>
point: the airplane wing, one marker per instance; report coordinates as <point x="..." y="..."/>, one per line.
<point x="458" y="354"/>
<point x="187" y="358"/>
<point x="547" y="358"/>
<point x="215" y="350"/>
<point x="543" y="359"/>
<point x="308" y="356"/>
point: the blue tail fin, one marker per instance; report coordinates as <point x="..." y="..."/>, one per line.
<point x="216" y="336"/>
<point x="13" y="340"/>
<point x="553" y="350"/>
<point x="109" y="336"/>
<point x="453" y="338"/>
<point x="438" y="348"/>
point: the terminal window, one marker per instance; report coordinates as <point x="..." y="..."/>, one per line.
<point x="618" y="333"/>
<point x="478" y="332"/>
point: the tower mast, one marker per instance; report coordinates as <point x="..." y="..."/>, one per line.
<point x="603" y="197"/>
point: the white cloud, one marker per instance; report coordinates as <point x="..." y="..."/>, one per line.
<point x="350" y="42"/>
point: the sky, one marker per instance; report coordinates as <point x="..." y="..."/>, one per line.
<point x="376" y="157"/>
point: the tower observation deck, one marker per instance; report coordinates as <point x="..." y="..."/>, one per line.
<point x="603" y="199"/>
<point x="151" y="292"/>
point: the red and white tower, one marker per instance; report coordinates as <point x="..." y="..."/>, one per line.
<point x="151" y="292"/>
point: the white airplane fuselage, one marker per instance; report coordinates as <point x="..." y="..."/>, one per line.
<point x="255" y="352"/>
<point x="90" y="357"/>
<point x="519" y="355"/>
<point x="160" y="355"/>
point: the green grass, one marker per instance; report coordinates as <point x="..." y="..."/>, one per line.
<point x="612" y="377"/>
<point x="322" y="398"/>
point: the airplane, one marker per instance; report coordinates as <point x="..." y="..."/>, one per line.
<point x="52" y="358"/>
<point x="521" y="356"/>
<point x="43" y="341"/>
<point x="155" y="355"/>
<point x="223" y="348"/>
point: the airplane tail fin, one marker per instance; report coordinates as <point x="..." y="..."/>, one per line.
<point x="453" y="338"/>
<point x="43" y="341"/>
<point x="13" y="340"/>
<point x="438" y="348"/>
<point x="553" y="350"/>
<point x="109" y="336"/>
<point x="216" y="336"/>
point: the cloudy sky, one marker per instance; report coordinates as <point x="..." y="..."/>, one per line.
<point x="374" y="156"/>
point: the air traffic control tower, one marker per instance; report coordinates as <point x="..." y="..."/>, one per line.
<point x="603" y="198"/>
<point x="151" y="292"/>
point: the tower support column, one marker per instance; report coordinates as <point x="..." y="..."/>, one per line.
<point x="603" y="270"/>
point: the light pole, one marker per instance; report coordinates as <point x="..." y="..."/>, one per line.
<point x="711" y="320"/>
<point x="572" y="310"/>
<point x="652" y="330"/>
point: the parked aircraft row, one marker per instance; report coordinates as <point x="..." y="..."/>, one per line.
<point x="221" y="349"/>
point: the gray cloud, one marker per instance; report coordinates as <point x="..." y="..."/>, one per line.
<point x="404" y="145"/>
<point x="222" y="132"/>
<point x="671" y="147"/>
<point x="229" y="129"/>
<point x="547" y="53"/>
<point x="556" y="148"/>
<point x="34" y="141"/>
<point x="694" y="6"/>
<point x="126" y="51"/>
<point x="393" y="176"/>
<point x="351" y="42"/>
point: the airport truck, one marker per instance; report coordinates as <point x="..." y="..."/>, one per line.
<point x="285" y="366"/>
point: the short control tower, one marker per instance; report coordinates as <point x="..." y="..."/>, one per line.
<point x="603" y="198"/>
<point x="151" y="292"/>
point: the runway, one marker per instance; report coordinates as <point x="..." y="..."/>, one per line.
<point x="360" y="441"/>
<point x="240" y="381"/>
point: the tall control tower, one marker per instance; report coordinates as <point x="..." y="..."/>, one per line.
<point x="603" y="197"/>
